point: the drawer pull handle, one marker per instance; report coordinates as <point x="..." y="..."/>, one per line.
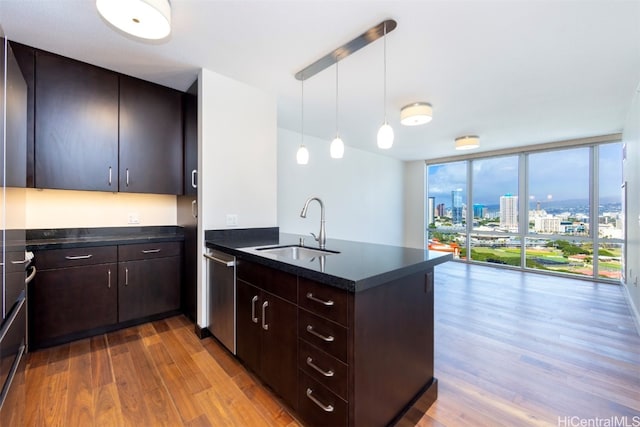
<point x="22" y="261"/>
<point x="254" y="318"/>
<point x="321" y="301"/>
<point x="73" y="258"/>
<point x="109" y="279"/>
<point x="109" y="175"/>
<point x="31" y="275"/>
<point x="151" y="251"/>
<point x="322" y="337"/>
<point x="310" y="363"/>
<point x="126" y="276"/>
<point x="326" y="408"/>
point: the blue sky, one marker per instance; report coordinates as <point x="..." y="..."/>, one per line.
<point x="554" y="175"/>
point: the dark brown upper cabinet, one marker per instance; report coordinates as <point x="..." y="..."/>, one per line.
<point x="76" y="125"/>
<point x="150" y="138"/>
<point x="191" y="141"/>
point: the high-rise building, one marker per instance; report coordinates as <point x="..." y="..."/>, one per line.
<point x="509" y="212"/>
<point x="441" y="210"/>
<point x="431" y="205"/>
<point x="456" y="207"/>
<point x="478" y="210"/>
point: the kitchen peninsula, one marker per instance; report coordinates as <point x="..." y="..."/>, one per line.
<point x="344" y="336"/>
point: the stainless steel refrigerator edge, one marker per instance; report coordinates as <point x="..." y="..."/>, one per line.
<point x="221" y="273"/>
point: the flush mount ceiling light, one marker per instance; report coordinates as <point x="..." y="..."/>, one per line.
<point x="467" y="142"/>
<point x="147" y="19"/>
<point x="416" y="114"/>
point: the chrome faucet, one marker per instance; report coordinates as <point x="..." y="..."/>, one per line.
<point x="322" y="237"/>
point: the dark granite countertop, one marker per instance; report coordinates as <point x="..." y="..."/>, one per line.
<point x="68" y="238"/>
<point x="357" y="266"/>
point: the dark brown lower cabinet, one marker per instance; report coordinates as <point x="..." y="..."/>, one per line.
<point x="83" y="291"/>
<point x="148" y="287"/>
<point x="355" y="359"/>
<point x="65" y="301"/>
<point x="267" y="338"/>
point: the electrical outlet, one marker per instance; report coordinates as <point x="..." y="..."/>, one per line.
<point x="133" y="218"/>
<point x="232" y="219"/>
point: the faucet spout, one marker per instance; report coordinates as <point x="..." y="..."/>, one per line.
<point x="322" y="237"/>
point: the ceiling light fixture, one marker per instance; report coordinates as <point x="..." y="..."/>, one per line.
<point x="147" y="19"/>
<point x="302" y="156"/>
<point x="467" y="142"/>
<point x="337" y="146"/>
<point x="416" y="114"/>
<point x="385" y="133"/>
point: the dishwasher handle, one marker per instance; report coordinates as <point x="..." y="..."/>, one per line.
<point x="221" y="261"/>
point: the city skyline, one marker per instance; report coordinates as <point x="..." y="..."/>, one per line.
<point x="494" y="177"/>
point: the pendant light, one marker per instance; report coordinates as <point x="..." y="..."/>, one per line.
<point x="337" y="146"/>
<point x="385" y="133"/>
<point x="302" y="156"/>
<point x="146" y="19"/>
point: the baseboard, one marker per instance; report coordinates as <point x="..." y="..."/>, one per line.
<point x="634" y="310"/>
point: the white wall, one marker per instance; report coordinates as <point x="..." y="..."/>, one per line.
<point x="631" y="138"/>
<point x="70" y="209"/>
<point x="415" y="191"/>
<point x="362" y="192"/>
<point x="237" y="161"/>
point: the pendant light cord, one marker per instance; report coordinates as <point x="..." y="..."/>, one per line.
<point x="337" y="127"/>
<point x="302" y="113"/>
<point x="385" y="71"/>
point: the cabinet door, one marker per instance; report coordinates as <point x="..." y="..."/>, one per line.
<point x="148" y="287"/>
<point x="191" y="141"/>
<point x="69" y="300"/>
<point x="279" y="351"/>
<point x="248" y="324"/>
<point x="150" y="138"/>
<point x="76" y="125"/>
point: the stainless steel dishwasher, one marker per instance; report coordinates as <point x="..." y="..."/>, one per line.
<point x="221" y="271"/>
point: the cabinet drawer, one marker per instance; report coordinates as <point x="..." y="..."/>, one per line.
<point x="326" y="335"/>
<point x="63" y="258"/>
<point x="148" y="251"/>
<point x="282" y="284"/>
<point x="318" y="406"/>
<point x="324" y="300"/>
<point x="325" y="369"/>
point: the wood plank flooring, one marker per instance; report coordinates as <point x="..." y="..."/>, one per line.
<point x="512" y="349"/>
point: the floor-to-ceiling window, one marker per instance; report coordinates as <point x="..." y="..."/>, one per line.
<point x="556" y="210"/>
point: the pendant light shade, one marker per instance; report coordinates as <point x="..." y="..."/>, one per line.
<point x="147" y="19"/>
<point x="302" y="156"/>
<point x="385" y="133"/>
<point x="337" y="148"/>
<point x="385" y="136"/>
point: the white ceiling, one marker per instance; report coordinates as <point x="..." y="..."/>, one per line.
<point x="515" y="72"/>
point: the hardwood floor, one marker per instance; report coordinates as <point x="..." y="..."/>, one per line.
<point x="512" y="349"/>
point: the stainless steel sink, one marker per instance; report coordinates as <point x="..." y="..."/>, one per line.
<point x="296" y="252"/>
